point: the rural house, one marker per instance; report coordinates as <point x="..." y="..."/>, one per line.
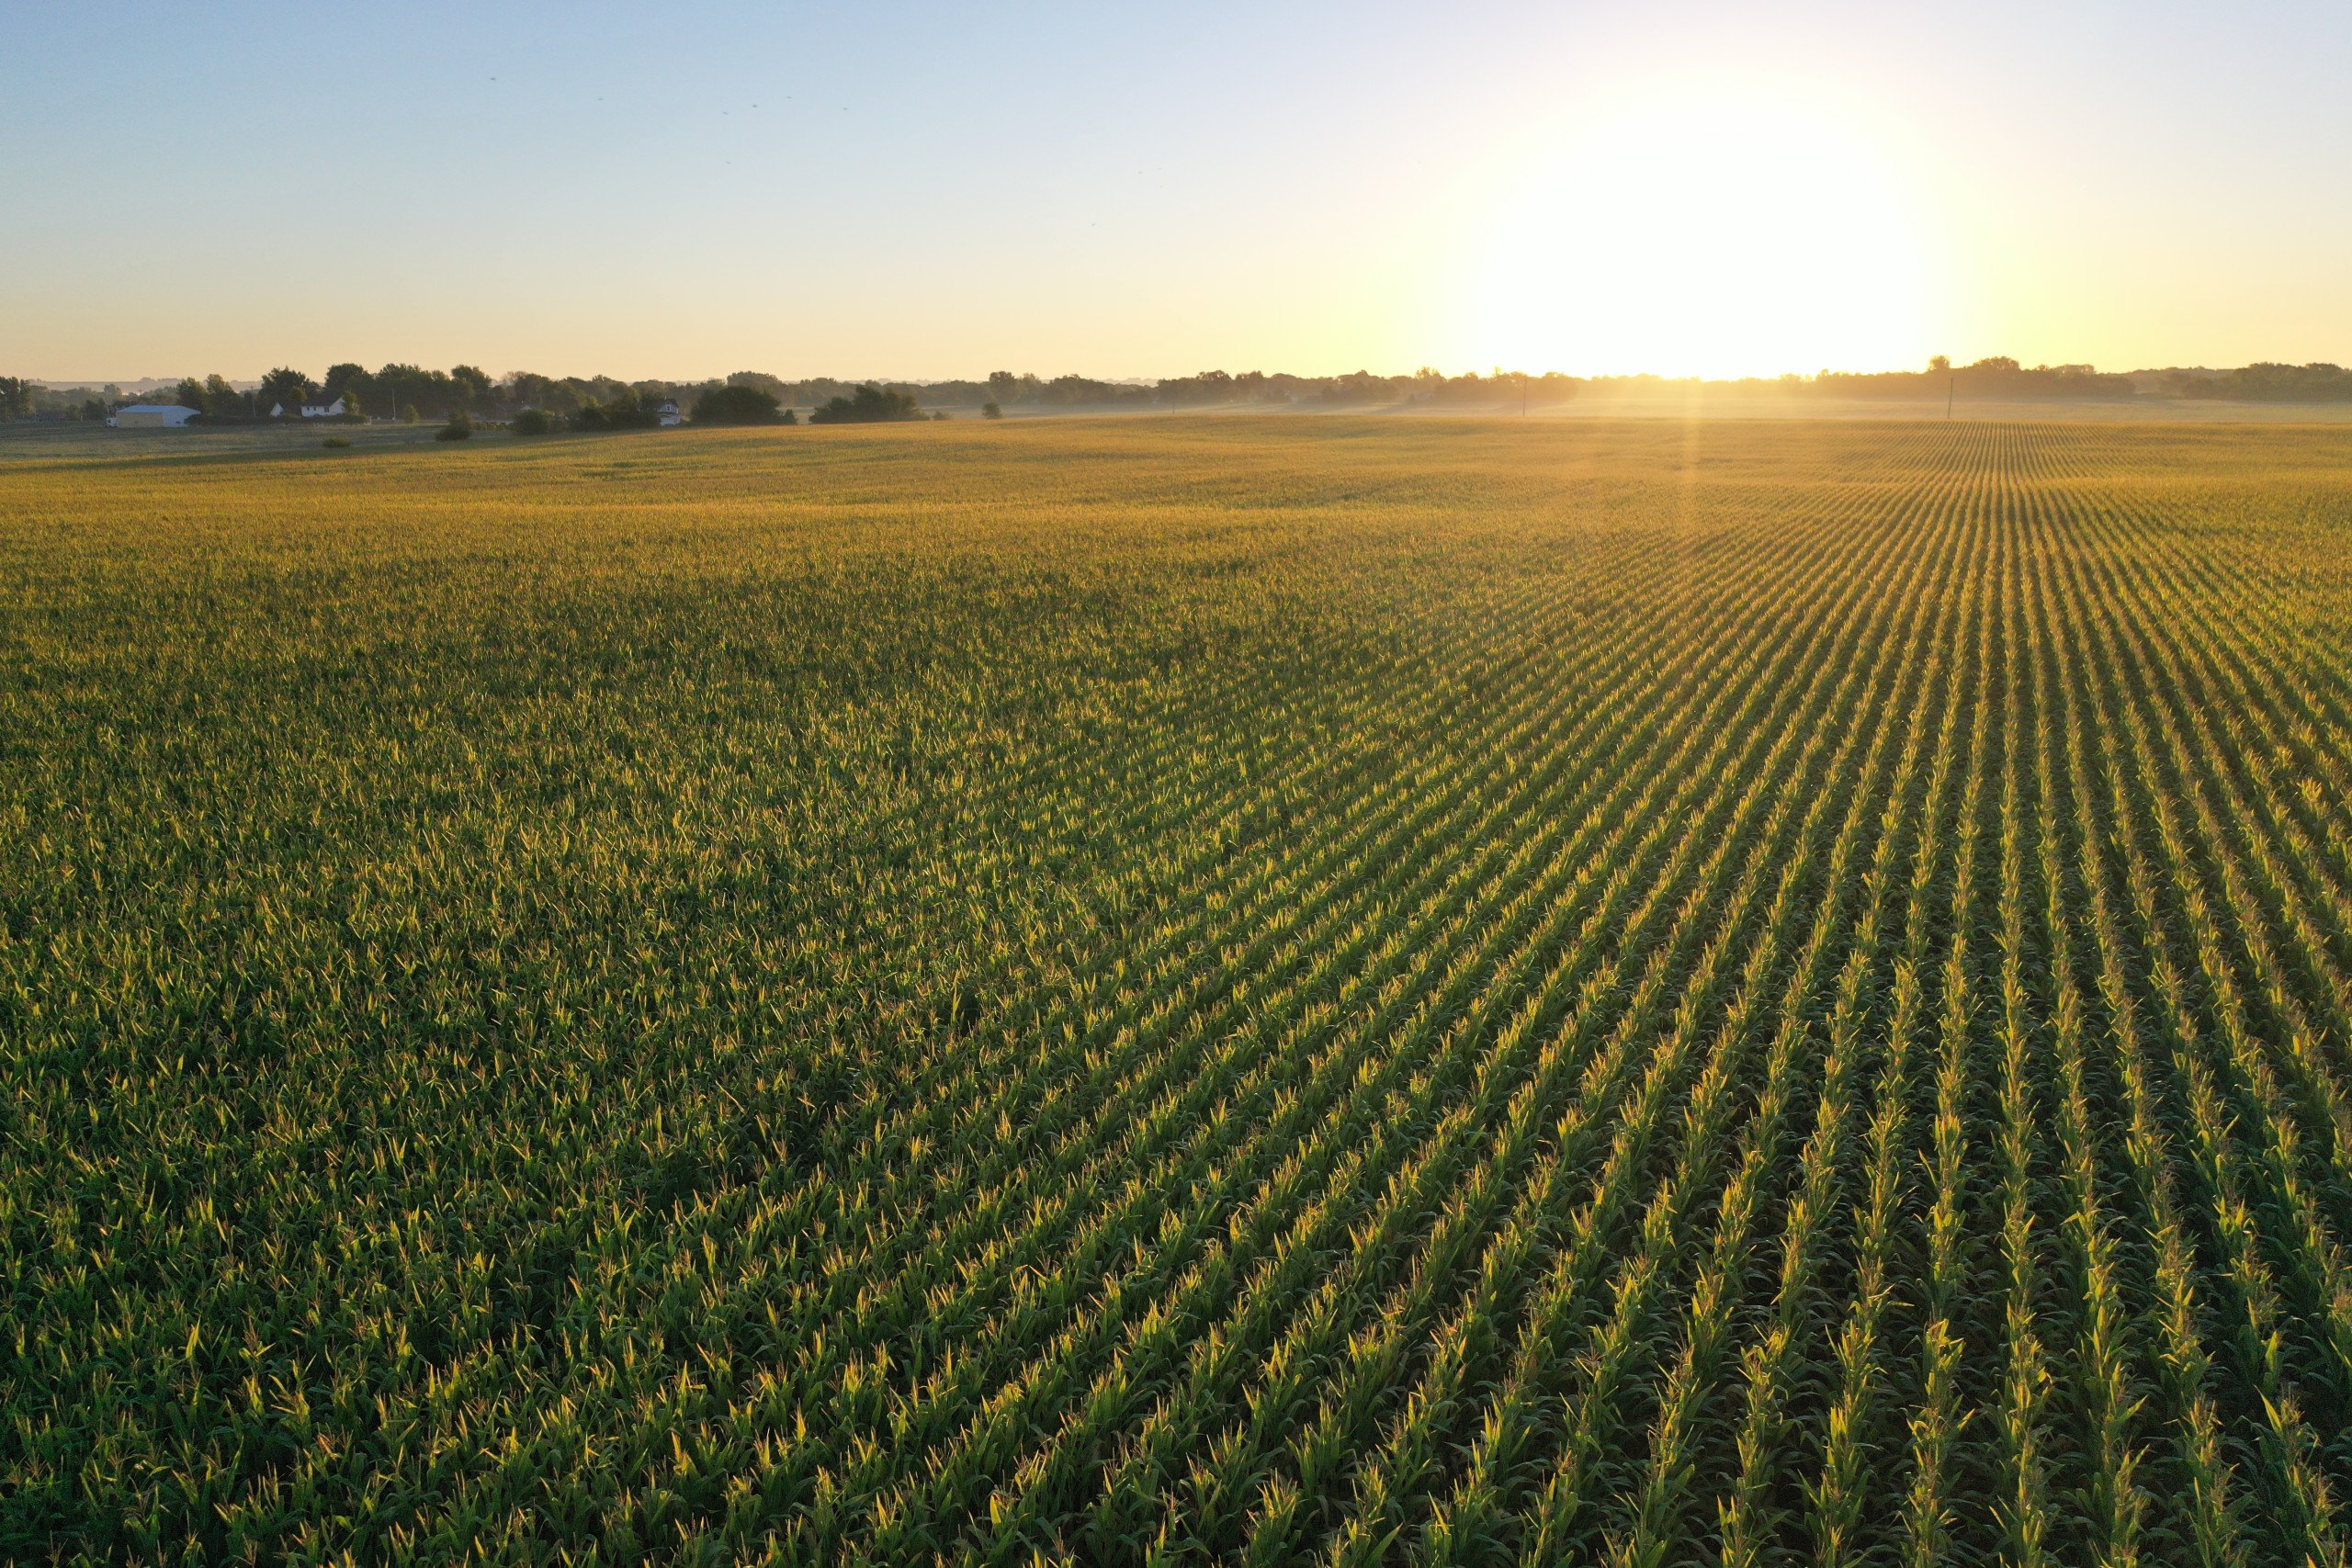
<point x="310" y="410"/>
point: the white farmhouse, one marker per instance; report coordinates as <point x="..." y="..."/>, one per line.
<point x="151" y="416"/>
<point x="669" y="415"/>
<point x="310" y="410"/>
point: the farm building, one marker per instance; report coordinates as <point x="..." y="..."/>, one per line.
<point x="313" y="408"/>
<point x="152" y="416"/>
<point x="669" y="415"/>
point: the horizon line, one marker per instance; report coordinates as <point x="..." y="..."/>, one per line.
<point x="1999" y="362"/>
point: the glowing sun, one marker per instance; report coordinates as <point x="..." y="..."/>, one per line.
<point x="1706" y="232"/>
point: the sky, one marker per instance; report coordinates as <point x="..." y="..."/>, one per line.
<point x="927" y="191"/>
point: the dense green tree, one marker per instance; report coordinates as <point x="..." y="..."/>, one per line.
<point x="472" y="387"/>
<point x="626" y="410"/>
<point x="870" y="404"/>
<point x="735" y="404"/>
<point x="760" y="381"/>
<point x="621" y="409"/>
<point x="286" y="389"/>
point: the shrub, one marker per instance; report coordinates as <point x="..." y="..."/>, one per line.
<point x="736" y="405"/>
<point x="990" y="411"/>
<point x="459" y="428"/>
<point x="869" y="404"/>
<point x="534" y="421"/>
<point x="335" y="442"/>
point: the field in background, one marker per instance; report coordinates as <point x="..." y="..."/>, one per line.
<point x="1550" y="991"/>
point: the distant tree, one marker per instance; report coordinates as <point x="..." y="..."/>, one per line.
<point x="1939" y="364"/>
<point x="990" y="411"/>
<point x="760" y="381"/>
<point x="870" y="404"/>
<point x="627" y="411"/>
<point x="472" y="387"/>
<point x="622" y="410"/>
<point x="528" y="390"/>
<point x="286" y="388"/>
<point x="735" y="405"/>
<point x="431" y="391"/>
<point x="16" y="398"/>
<point x="342" y="381"/>
<point x="459" y="428"/>
<point x="1208" y="387"/>
<point x="534" y="421"/>
<point x="788" y="417"/>
<point x="94" y="410"/>
<point x="189" y="393"/>
<point x="352" y="410"/>
<point x="408" y="413"/>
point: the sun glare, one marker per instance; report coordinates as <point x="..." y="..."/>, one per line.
<point x="1706" y="232"/>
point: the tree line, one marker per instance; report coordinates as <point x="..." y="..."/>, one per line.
<point x="596" y="402"/>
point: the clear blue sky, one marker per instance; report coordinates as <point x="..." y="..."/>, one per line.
<point x="935" y="190"/>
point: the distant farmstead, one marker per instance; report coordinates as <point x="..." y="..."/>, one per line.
<point x="668" y="414"/>
<point x="151" y="416"/>
<point x="312" y="410"/>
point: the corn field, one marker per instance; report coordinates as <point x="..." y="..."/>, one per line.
<point x="1324" y="991"/>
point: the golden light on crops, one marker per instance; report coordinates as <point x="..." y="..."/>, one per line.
<point x="1712" y="231"/>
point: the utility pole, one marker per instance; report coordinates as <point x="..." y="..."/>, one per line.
<point x="1949" y="378"/>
